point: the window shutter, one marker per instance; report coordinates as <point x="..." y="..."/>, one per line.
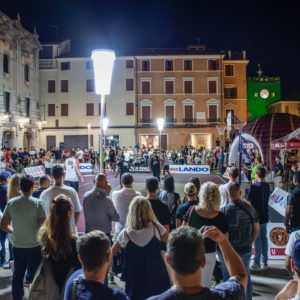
<point x="51" y="110"/>
<point x="129" y="84"/>
<point x="90" y="109"/>
<point x="188" y="113"/>
<point x="129" y="109"/>
<point x="64" y="110"/>
<point x="145" y="87"/>
<point x="212" y="87"/>
<point x="51" y="86"/>
<point x="188" y="87"/>
<point x="169" y="87"/>
<point x="129" y="64"/>
<point x="90" y="86"/>
<point x="64" y="86"/>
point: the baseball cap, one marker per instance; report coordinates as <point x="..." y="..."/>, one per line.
<point x="190" y="189"/>
<point x="296" y="255"/>
<point x="4" y="175"/>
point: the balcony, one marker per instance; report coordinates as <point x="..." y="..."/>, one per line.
<point x="170" y="122"/>
<point x="189" y="121"/>
<point x="47" y="64"/>
<point x="146" y="122"/>
<point x="213" y="120"/>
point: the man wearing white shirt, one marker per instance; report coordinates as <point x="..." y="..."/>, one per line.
<point x="233" y="174"/>
<point x="57" y="188"/>
<point x="122" y="199"/>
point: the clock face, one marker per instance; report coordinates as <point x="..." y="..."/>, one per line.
<point x="264" y="93"/>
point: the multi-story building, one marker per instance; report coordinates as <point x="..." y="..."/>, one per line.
<point x="20" y="122"/>
<point x="71" y="106"/>
<point x="290" y="106"/>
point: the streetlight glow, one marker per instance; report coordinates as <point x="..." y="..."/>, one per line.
<point x="105" y="124"/>
<point x="160" y="124"/>
<point x="89" y="126"/>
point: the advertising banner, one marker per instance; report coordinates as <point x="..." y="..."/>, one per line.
<point x="190" y="169"/>
<point x="278" y="200"/>
<point x="35" y="172"/>
<point x="277" y="240"/>
<point x="85" y="168"/>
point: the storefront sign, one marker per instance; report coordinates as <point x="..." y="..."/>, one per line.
<point x="278" y="200"/>
<point x="190" y="169"/>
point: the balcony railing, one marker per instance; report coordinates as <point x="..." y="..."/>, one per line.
<point x="145" y="122"/>
<point x="213" y="120"/>
<point x="189" y="120"/>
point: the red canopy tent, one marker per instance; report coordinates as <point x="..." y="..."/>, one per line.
<point x="288" y="142"/>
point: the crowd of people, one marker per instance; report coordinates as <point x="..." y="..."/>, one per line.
<point x="162" y="246"/>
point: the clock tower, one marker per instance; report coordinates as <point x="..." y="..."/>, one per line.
<point x="261" y="92"/>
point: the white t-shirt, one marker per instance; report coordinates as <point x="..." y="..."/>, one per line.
<point x="71" y="174"/>
<point x="49" y="194"/>
<point x="79" y="154"/>
<point x="127" y="155"/>
<point x="223" y="189"/>
<point x="295" y="236"/>
<point x="140" y="237"/>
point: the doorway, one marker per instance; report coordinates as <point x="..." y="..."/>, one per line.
<point x="199" y="140"/>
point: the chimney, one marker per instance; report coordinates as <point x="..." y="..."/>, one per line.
<point x="244" y="54"/>
<point x="229" y="54"/>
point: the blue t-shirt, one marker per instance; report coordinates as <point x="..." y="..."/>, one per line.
<point x="228" y="290"/>
<point x="91" y="290"/>
<point x="183" y="209"/>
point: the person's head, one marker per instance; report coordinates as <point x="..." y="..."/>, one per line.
<point x="55" y="235"/>
<point x="260" y="173"/>
<point x="169" y="184"/>
<point x="45" y="181"/>
<point x="13" y="188"/>
<point x="122" y="157"/>
<point x="190" y="190"/>
<point x="296" y="178"/>
<point x="233" y="173"/>
<point x="58" y="172"/>
<point x="196" y="181"/>
<point x="127" y="180"/>
<point x="4" y="176"/>
<point x="140" y="213"/>
<point x="152" y="185"/>
<point x="101" y="181"/>
<point x="94" y="252"/>
<point x="73" y="153"/>
<point x="209" y="197"/>
<point x="26" y="184"/>
<point x="185" y="251"/>
<point x="234" y="191"/>
<point x="277" y="159"/>
<point x="296" y="258"/>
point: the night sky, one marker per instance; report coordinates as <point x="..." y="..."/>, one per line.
<point x="268" y="30"/>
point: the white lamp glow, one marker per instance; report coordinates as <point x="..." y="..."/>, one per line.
<point x="103" y="61"/>
<point x="160" y="124"/>
<point x="105" y="124"/>
<point x="89" y="126"/>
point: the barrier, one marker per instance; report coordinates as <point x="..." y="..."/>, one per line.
<point x="35" y="172"/>
<point x="190" y="169"/>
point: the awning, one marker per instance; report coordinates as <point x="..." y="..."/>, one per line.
<point x="288" y="142"/>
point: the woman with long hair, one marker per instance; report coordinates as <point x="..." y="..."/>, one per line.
<point x="13" y="188"/>
<point x="207" y="213"/>
<point x="56" y="240"/>
<point x="145" y="271"/>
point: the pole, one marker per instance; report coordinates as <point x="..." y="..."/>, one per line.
<point x="240" y="158"/>
<point x="89" y="139"/>
<point x="102" y="100"/>
<point x="160" y="139"/>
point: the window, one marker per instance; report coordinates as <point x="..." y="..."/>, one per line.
<point x="146" y="112"/>
<point x="129" y="84"/>
<point x="5" y="63"/>
<point x="90" y="109"/>
<point x="129" y="64"/>
<point x="168" y="65"/>
<point x="64" y="110"/>
<point x="230" y="93"/>
<point x="46" y="52"/>
<point x="188" y="114"/>
<point x="64" y="86"/>
<point x="169" y="86"/>
<point x="170" y="110"/>
<point x="213" y="65"/>
<point x="146" y="87"/>
<point x="65" y="65"/>
<point x="51" y="110"/>
<point x="27" y="107"/>
<point x="26" y="72"/>
<point x="89" y="65"/>
<point x="188" y="65"/>
<point x="212" y="86"/>
<point x="90" y="86"/>
<point x="212" y="113"/>
<point x="129" y="109"/>
<point x="6" y="102"/>
<point x="146" y="65"/>
<point x="104" y="109"/>
<point x="51" y="86"/>
<point x="188" y="86"/>
<point x="229" y="71"/>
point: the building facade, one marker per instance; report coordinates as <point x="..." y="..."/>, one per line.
<point x="291" y="106"/>
<point x="20" y="120"/>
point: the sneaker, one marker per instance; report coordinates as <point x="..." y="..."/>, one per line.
<point x="255" y="268"/>
<point x="265" y="267"/>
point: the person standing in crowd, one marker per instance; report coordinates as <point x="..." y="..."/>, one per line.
<point x="57" y="242"/>
<point x="145" y="270"/>
<point x="186" y="257"/>
<point x="4" y="176"/>
<point x="294" y="237"/>
<point x="122" y="199"/>
<point x="95" y="255"/>
<point x="123" y="167"/>
<point x="45" y="182"/>
<point x="48" y="163"/>
<point x="190" y="193"/>
<point x="207" y="213"/>
<point x="112" y="158"/>
<point x="218" y="142"/>
<point x="233" y="174"/>
<point x="259" y="197"/>
<point x="154" y="166"/>
<point x="243" y="228"/>
<point x="161" y="210"/>
<point x="292" y="213"/>
<point x="58" y="188"/>
<point x="26" y="214"/>
<point x="99" y="211"/>
<point x="257" y="164"/>
<point x="166" y="163"/>
<point x="171" y="198"/>
<point x="13" y="188"/>
<point x="278" y="173"/>
<point x="72" y="172"/>
<point x="78" y="154"/>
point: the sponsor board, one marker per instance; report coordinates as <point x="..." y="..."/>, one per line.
<point x="85" y="168"/>
<point x="141" y="169"/>
<point x="277" y="240"/>
<point x="278" y="200"/>
<point x="35" y="172"/>
<point x="190" y="169"/>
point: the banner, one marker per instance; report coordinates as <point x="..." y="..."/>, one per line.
<point x="277" y="240"/>
<point x="85" y="168"/>
<point x="190" y="169"/>
<point x="35" y="172"/>
<point x="278" y="200"/>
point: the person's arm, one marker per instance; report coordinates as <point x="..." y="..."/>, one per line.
<point x="232" y="260"/>
<point x="255" y="231"/>
<point x="5" y="225"/>
<point x="287" y="263"/>
<point x="179" y="223"/>
<point x="114" y="216"/>
<point x="116" y="248"/>
<point x="78" y="170"/>
<point x="288" y="291"/>
<point x="288" y="215"/>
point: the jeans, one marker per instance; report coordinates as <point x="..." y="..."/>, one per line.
<point x="73" y="184"/>
<point x="3" y="237"/>
<point x="24" y="258"/>
<point x="246" y="257"/>
<point x="261" y="246"/>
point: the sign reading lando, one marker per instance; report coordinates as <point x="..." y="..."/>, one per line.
<point x="190" y="169"/>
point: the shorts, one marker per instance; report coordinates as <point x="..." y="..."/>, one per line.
<point x="73" y="184"/>
<point x="166" y="168"/>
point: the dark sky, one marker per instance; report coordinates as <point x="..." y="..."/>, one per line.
<point x="268" y="30"/>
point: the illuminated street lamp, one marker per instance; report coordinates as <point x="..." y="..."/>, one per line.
<point x="103" y="61"/>
<point x="160" y="126"/>
<point x="105" y="126"/>
<point x="89" y="136"/>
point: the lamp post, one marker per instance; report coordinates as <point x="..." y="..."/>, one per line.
<point x="105" y="126"/>
<point x="160" y="126"/>
<point x="89" y="136"/>
<point x="103" y="61"/>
